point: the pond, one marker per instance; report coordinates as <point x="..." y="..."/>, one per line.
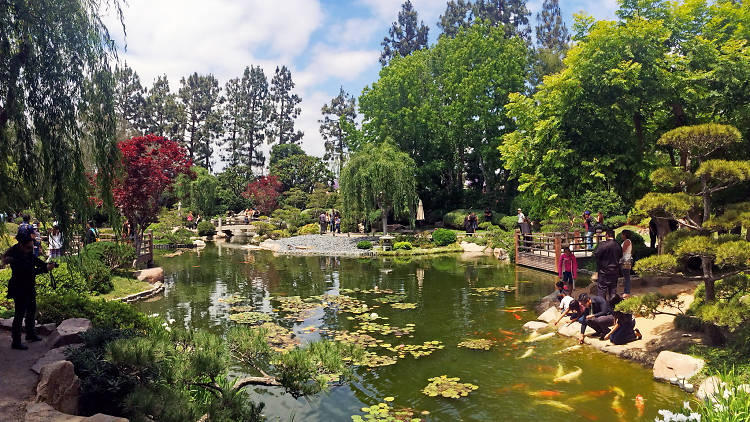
<point x="449" y="308"/>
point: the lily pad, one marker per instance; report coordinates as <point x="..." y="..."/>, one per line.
<point x="490" y="291"/>
<point x="448" y="387"/>
<point x="356" y="337"/>
<point x="385" y="329"/>
<point x="415" y="350"/>
<point x="374" y="360"/>
<point x="250" y="317"/>
<point x="391" y="298"/>
<point x="405" y="305"/>
<point x="241" y="308"/>
<point x="233" y="299"/>
<point x="477" y="344"/>
<point x="279" y="338"/>
<point x="383" y="412"/>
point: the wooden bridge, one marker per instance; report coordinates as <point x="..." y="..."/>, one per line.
<point x="543" y="250"/>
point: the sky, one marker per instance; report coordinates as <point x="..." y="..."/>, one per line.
<point x="327" y="44"/>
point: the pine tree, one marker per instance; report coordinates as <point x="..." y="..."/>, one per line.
<point x="245" y="118"/>
<point x="234" y="114"/>
<point x="129" y="101"/>
<point x="511" y="14"/>
<point x="164" y="114"/>
<point x="284" y="109"/>
<point x="338" y="112"/>
<point x="406" y="35"/>
<point x="199" y="95"/>
<point x="552" y="39"/>
<point x="457" y="15"/>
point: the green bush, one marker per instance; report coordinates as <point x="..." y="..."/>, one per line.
<point x="206" y="228"/>
<point x="290" y="216"/>
<point x="443" y="237"/>
<point x="497" y="218"/>
<point x="55" y="307"/>
<point x="364" y="244"/>
<point x="455" y="219"/>
<point x="640" y="249"/>
<point x="504" y="239"/>
<point x="688" y="323"/>
<point x="485" y="225"/>
<point x="263" y="228"/>
<point x="402" y="245"/>
<point x="182" y="236"/>
<point x="509" y="223"/>
<point x="114" y="255"/>
<point x="278" y="234"/>
<point x="311" y="215"/>
<point x="312" y="228"/>
<point x="481" y="241"/>
<point x="615" y="221"/>
<point x="607" y="202"/>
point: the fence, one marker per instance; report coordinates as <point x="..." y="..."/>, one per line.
<point x="543" y="250"/>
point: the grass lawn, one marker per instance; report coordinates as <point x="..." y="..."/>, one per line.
<point x="421" y="251"/>
<point x="125" y="286"/>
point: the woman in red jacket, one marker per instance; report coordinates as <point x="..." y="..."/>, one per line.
<point x="567" y="269"/>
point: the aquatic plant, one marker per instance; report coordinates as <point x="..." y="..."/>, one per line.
<point x="241" y="308"/>
<point x="386" y="329"/>
<point x="250" y="317"/>
<point x="405" y="305"/>
<point x="374" y="360"/>
<point x="383" y="412"/>
<point x="448" y="387"/>
<point x="356" y="337"/>
<point x="231" y="300"/>
<point x="415" y="350"/>
<point x="394" y="298"/>
<point x="477" y="344"/>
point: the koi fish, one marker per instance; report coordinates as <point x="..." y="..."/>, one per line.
<point x="545" y="393"/>
<point x="569" y="376"/>
<point x="587" y="415"/>
<point x="518" y="317"/>
<point x="640" y="404"/>
<point x="569" y="349"/>
<point x="556" y="404"/>
<point x="541" y="337"/>
<point x="196" y="266"/>
<point x="618" y="391"/>
<point x="526" y="354"/>
<point x="507" y="333"/>
<point x="617" y="407"/>
<point x="599" y="393"/>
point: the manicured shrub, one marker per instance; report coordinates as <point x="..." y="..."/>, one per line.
<point x="455" y="218"/>
<point x="485" y="225"/>
<point x="311" y="215"/>
<point x="206" y="228"/>
<point x="402" y="245"/>
<point x="443" y="237"/>
<point x="263" y="228"/>
<point x="364" y="244"/>
<point x="112" y="254"/>
<point x="182" y="236"/>
<point x="509" y="222"/>
<point x="607" y="202"/>
<point x="312" y="228"/>
<point x="481" y="241"/>
<point x="615" y="221"/>
<point x="278" y="234"/>
<point x="56" y="307"/>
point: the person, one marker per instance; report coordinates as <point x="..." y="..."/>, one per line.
<point x="567" y="268"/>
<point x="197" y="220"/>
<point x="598" y="315"/>
<point x="626" y="262"/>
<point x="488" y="214"/>
<point x="55" y="242"/>
<point x="588" y="226"/>
<point x="256" y="214"/>
<point x="91" y="234"/>
<point x="600" y="218"/>
<point x="608" y="255"/>
<point x="322" y="222"/>
<point x="521" y="218"/>
<point x="526" y="232"/>
<point x="125" y="230"/>
<point x="37" y="238"/>
<point x="474" y="222"/>
<point x="468" y="225"/>
<point x="190" y="219"/>
<point x="570" y="308"/>
<point x="623" y="331"/>
<point x="332" y="221"/>
<point x="22" y="287"/>
<point x="338" y="223"/>
<point x="562" y="290"/>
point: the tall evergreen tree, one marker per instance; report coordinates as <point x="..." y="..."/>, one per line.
<point x="164" y="115"/>
<point x="234" y="110"/>
<point x="336" y="114"/>
<point x="200" y="98"/>
<point x="406" y="35"/>
<point x="129" y="99"/>
<point x="511" y="14"/>
<point x="284" y="109"/>
<point x="257" y="114"/>
<point x="552" y="39"/>
<point x="457" y="15"/>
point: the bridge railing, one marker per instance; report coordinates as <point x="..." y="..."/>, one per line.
<point x="543" y="250"/>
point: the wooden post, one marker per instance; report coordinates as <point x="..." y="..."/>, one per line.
<point x="558" y="249"/>
<point x="515" y="238"/>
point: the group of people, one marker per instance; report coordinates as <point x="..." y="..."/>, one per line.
<point x="330" y="222"/>
<point x="471" y="223"/>
<point x="600" y="314"/>
<point x="192" y="221"/>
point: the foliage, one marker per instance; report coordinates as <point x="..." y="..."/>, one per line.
<point x="385" y="413"/>
<point x="651" y="304"/>
<point x="486" y="225"/>
<point x="284" y="109"/>
<point x="402" y="245"/>
<point x="455" y="218"/>
<point x="200" y="100"/>
<point x="264" y="193"/>
<point x="164" y="235"/>
<point x="291" y="217"/>
<point x="607" y="202"/>
<point x="364" y="244"/>
<point x="476" y="344"/>
<point x="509" y="222"/>
<point x="245" y="120"/>
<point x="312" y="228"/>
<point x="656" y="265"/>
<point x="379" y="177"/>
<point x="322" y="199"/>
<point x="511" y="15"/>
<point x="336" y="116"/>
<point x="300" y="171"/>
<point x="206" y="228"/>
<point x="113" y="254"/>
<point x="56" y="307"/>
<point x="729" y="403"/>
<point x="730" y="308"/>
<point x="448" y="387"/>
<point x="263" y="228"/>
<point x="615" y="221"/>
<point x="443" y="237"/>
<point x="204" y="193"/>
<point x="294" y="198"/>
<point x="405" y="36"/>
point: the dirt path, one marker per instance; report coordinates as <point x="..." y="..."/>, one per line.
<point x="17" y="381"/>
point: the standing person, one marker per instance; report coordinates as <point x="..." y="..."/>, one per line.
<point x="322" y="222"/>
<point x="526" y="232"/>
<point x="22" y="287"/>
<point x="521" y="218"/>
<point x="55" y="242"/>
<point x="488" y="214"/>
<point x="474" y="221"/>
<point x="568" y="269"/>
<point x="333" y="221"/>
<point x="626" y="262"/>
<point x="338" y="223"/>
<point x="91" y="234"/>
<point x="190" y="219"/>
<point x="600" y="218"/>
<point x="608" y="255"/>
<point x="468" y="224"/>
<point x="588" y="226"/>
<point x="37" y="239"/>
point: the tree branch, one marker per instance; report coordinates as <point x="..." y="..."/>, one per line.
<point x="262" y="381"/>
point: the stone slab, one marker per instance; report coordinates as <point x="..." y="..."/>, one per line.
<point x="52" y="355"/>
<point x="676" y="365"/>
<point x="550" y="315"/>
<point x="535" y="325"/>
<point x="69" y="332"/>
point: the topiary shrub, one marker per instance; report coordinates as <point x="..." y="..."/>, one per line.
<point x="263" y="228"/>
<point x="312" y="228"/>
<point x="485" y="225"/>
<point x="402" y="245"/>
<point x="112" y="254"/>
<point x="615" y="221"/>
<point x="56" y="307"/>
<point x="364" y="244"/>
<point x="205" y="228"/>
<point x="455" y="218"/>
<point x="278" y="234"/>
<point x="443" y="237"/>
<point x="509" y="222"/>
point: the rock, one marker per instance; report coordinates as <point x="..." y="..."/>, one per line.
<point x="59" y="387"/>
<point x="199" y="243"/>
<point x="45" y="329"/>
<point x="53" y="355"/>
<point x="6" y="323"/>
<point x="708" y="387"/>
<point x="550" y="315"/>
<point x="500" y="254"/>
<point x="270" y="245"/>
<point x="535" y="325"/>
<point x="42" y="412"/>
<point x="472" y="247"/>
<point x="150" y="275"/>
<point x="547" y="302"/>
<point x="68" y="332"/>
<point x="676" y="365"/>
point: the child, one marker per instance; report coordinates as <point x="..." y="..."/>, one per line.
<point x="574" y="310"/>
<point x="338" y="224"/>
<point x="624" y="330"/>
<point x="568" y="269"/>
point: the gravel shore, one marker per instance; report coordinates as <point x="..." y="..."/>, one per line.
<point x="315" y="244"/>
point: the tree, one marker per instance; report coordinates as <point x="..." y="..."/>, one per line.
<point x="336" y="116"/>
<point x="378" y="180"/>
<point x="246" y="117"/>
<point x="405" y="36"/>
<point x="164" y="115"/>
<point x="282" y="151"/>
<point x="511" y="15"/>
<point x="150" y="166"/>
<point x="200" y="99"/>
<point x="129" y="99"/>
<point x="204" y="193"/>
<point x="233" y="181"/>
<point x="284" y="109"/>
<point x="457" y="15"/>
<point x="552" y="39"/>
<point x="264" y="193"/>
<point x="55" y="66"/>
<point x="301" y="171"/>
<point x="688" y="195"/>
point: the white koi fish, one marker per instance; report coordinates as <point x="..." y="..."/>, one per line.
<point x="571" y="376"/>
<point x="556" y="404"/>
<point x="541" y="337"/>
<point x="526" y="354"/>
<point x="569" y="349"/>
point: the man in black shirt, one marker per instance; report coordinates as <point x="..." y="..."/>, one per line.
<point x="608" y="255"/>
<point x="598" y="315"/>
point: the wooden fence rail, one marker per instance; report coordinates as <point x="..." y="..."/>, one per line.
<point x="543" y="250"/>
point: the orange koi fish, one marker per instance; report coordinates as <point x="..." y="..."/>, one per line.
<point x="518" y="317"/>
<point x="599" y="393"/>
<point x="640" y="404"/>
<point x="507" y="333"/>
<point x="545" y="393"/>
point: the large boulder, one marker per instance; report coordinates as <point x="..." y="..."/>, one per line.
<point x="535" y="325"/>
<point x="472" y="247"/>
<point x="59" y="387"/>
<point x="45" y="329"/>
<point x="69" y="332"/>
<point x="500" y="254"/>
<point x="676" y="365"/>
<point x="42" y="412"/>
<point x="151" y="275"/>
<point x="709" y="387"/>
<point x="53" y="355"/>
<point x="550" y="315"/>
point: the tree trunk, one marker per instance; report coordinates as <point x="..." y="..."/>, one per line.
<point x="384" y="219"/>
<point x="708" y="279"/>
<point x="706" y="199"/>
<point x="662" y="230"/>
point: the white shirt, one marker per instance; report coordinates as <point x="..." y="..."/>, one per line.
<point x="565" y="302"/>
<point x="55" y="241"/>
<point x="521" y="218"/>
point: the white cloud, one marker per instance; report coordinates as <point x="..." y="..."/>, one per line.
<point x="355" y="31"/>
<point x="428" y="10"/>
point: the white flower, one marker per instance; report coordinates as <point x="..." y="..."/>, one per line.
<point x="727" y="394"/>
<point x="695" y="416"/>
<point x="686" y="405"/>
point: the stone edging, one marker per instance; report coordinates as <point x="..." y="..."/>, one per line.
<point x="146" y="294"/>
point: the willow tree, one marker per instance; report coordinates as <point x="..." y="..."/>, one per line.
<point x="55" y="89"/>
<point x="688" y="194"/>
<point x="377" y="180"/>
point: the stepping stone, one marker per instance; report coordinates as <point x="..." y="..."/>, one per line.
<point x="69" y="332"/>
<point x="550" y="315"/>
<point x="676" y="365"/>
<point x="535" y="325"/>
<point x="53" y="355"/>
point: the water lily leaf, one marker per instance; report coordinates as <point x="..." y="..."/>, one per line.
<point x="448" y="387"/>
<point x="250" y="317"/>
<point x="477" y="344"/>
<point x="405" y="305"/>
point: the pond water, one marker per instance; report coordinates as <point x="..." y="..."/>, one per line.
<point x="510" y="388"/>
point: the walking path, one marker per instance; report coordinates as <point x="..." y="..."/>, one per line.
<point x="17" y="381"/>
<point x="315" y="244"/>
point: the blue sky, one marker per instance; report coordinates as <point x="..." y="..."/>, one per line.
<point x="326" y="43"/>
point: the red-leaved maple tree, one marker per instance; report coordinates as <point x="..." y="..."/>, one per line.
<point x="150" y="166"/>
<point x="264" y="193"/>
